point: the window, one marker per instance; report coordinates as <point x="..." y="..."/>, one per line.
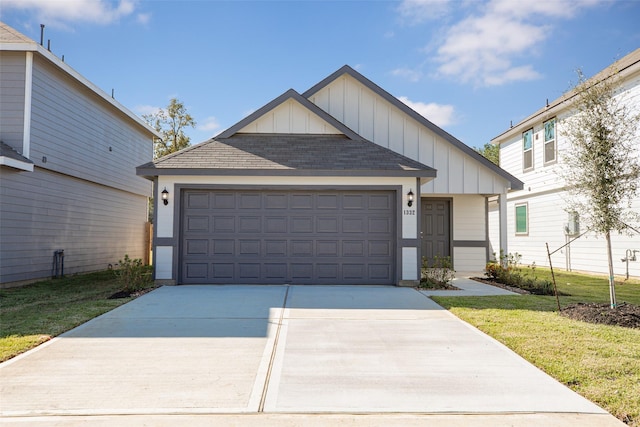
<point x="527" y="150"/>
<point x="550" y="141"/>
<point x="522" y="219"/>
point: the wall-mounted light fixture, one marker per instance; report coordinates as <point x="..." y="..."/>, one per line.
<point x="410" y="198"/>
<point x="165" y="196"/>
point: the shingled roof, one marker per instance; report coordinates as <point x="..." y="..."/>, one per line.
<point x="286" y="154"/>
<point x="7" y="151"/>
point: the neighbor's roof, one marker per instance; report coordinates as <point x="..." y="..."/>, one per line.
<point x="9" y="152"/>
<point x="622" y="68"/>
<point x="13" y="40"/>
<point x="286" y="154"/>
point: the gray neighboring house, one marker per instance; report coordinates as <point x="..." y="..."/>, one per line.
<point x="343" y="184"/>
<point x="67" y="168"/>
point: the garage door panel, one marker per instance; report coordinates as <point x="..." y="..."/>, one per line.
<point x="198" y="201"/>
<point x="301" y="224"/>
<point x="222" y="247"/>
<point x="328" y="272"/>
<point x="249" y="247"/>
<point x="276" y="248"/>
<point x="275" y="224"/>
<point x="224" y="271"/>
<point x="224" y="201"/>
<point x="249" y="224"/>
<point x="327" y="225"/>
<point x="197" y="247"/>
<point x="352" y="248"/>
<point x="301" y="248"/>
<point x="224" y="224"/>
<point x="296" y="236"/>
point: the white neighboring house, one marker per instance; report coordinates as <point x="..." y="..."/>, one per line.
<point x="337" y="185"/>
<point x="68" y="153"/>
<point x="533" y="151"/>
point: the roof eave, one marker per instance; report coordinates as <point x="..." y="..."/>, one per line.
<point x="150" y="172"/>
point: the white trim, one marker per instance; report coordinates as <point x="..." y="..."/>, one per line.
<point x="17" y="164"/>
<point x="28" y="85"/>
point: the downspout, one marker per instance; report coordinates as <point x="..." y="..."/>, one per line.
<point x="28" y="89"/>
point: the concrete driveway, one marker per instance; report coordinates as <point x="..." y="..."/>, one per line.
<point x="286" y="356"/>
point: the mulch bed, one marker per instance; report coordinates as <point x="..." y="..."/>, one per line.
<point x="500" y="285"/>
<point x="127" y="294"/>
<point x="626" y="315"/>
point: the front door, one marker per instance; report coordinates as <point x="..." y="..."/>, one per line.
<point x="436" y="228"/>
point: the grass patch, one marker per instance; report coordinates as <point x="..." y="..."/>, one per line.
<point x="600" y="362"/>
<point x="35" y="313"/>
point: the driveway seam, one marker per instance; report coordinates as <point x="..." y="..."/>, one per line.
<point x="265" y="389"/>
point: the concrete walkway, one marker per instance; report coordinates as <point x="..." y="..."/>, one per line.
<point x="286" y="356"/>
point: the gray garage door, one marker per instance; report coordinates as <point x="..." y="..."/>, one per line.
<point x="301" y="237"/>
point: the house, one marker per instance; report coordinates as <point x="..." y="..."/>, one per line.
<point x="342" y="184"/>
<point x="533" y="151"/>
<point x="68" y="189"/>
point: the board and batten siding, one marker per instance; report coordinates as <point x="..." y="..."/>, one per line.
<point x="82" y="135"/>
<point x="43" y="211"/>
<point x="377" y="120"/>
<point x="290" y="117"/>
<point x="12" y="89"/>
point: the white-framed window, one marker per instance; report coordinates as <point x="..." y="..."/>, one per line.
<point x="550" y="141"/>
<point x="527" y="150"/>
<point x="522" y="219"/>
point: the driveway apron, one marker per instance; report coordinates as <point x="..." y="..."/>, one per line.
<point x="279" y="350"/>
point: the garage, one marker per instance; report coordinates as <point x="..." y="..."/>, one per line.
<point x="271" y="236"/>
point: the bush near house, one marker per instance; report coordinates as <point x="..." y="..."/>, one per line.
<point x="439" y="274"/>
<point x="508" y="271"/>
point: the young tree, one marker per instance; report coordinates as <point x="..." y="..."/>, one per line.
<point x="602" y="165"/>
<point x="170" y="123"/>
<point x="491" y="152"/>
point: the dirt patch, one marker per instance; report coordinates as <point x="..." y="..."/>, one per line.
<point x="626" y="315"/>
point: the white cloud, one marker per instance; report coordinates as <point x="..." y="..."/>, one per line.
<point x="209" y="124"/>
<point x="146" y="109"/>
<point x="57" y="13"/>
<point x="409" y="74"/>
<point x="439" y="114"/>
<point x="487" y="47"/>
<point x="416" y="11"/>
<point x="143" y="18"/>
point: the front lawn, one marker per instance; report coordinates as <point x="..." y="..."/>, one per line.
<point x="600" y="362"/>
<point x="33" y="314"/>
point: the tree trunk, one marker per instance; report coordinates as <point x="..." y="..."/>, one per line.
<point x="612" y="284"/>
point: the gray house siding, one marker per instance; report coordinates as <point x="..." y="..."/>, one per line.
<point x="12" y="78"/>
<point x="43" y="211"/>
<point x="82" y="135"/>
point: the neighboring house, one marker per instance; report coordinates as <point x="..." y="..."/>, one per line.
<point x="67" y="168"/>
<point x="533" y="150"/>
<point x="334" y="186"/>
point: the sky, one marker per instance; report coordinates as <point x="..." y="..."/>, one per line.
<point x="470" y="66"/>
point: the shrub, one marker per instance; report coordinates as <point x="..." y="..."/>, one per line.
<point x="508" y="272"/>
<point x="132" y="274"/>
<point x="439" y="274"/>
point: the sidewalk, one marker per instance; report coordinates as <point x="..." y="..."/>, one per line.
<point x="468" y="287"/>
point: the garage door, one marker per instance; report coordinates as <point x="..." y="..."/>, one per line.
<point x="300" y="237"/>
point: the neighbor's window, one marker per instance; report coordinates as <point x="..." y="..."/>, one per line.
<point x="550" y="141"/>
<point x="527" y="150"/>
<point x="522" y="219"/>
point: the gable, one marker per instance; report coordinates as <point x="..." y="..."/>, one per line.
<point x="290" y="117"/>
<point x="380" y="117"/>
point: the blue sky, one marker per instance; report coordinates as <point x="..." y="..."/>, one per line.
<point x="469" y="66"/>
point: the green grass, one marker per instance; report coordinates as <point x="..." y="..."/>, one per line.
<point x="33" y="314"/>
<point x="600" y="362"/>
